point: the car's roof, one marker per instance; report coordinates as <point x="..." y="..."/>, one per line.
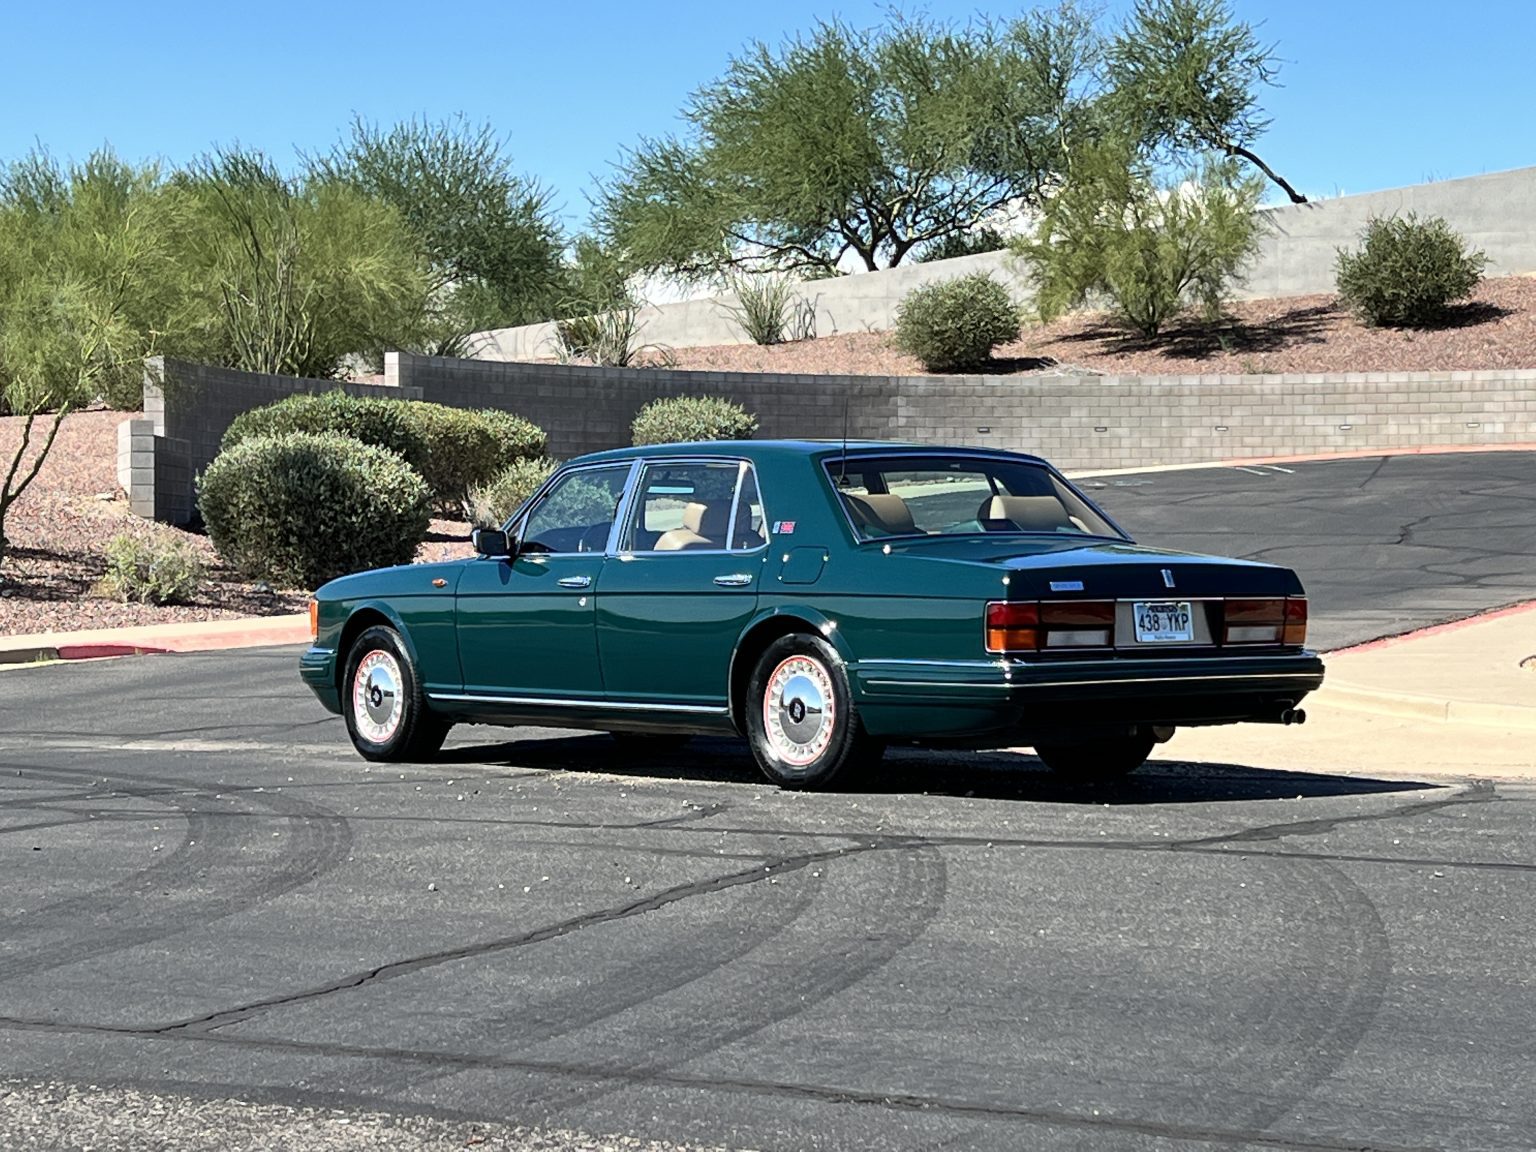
<point x="758" y="450"/>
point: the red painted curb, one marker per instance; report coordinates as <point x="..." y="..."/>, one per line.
<point x="1436" y="629"/>
<point x="102" y="651"/>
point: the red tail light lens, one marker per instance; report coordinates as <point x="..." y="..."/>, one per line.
<point x="1296" y="621"/>
<point x="1253" y="621"/>
<point x="1013" y="627"/>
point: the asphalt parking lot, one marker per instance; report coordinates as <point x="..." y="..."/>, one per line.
<point x="209" y="896"/>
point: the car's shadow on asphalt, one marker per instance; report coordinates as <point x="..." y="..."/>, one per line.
<point x="999" y="775"/>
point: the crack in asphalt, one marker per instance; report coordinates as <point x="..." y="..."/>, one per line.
<point x="828" y="1094"/>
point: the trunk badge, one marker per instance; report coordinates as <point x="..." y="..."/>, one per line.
<point x="1066" y="585"/>
<point x="1167" y="578"/>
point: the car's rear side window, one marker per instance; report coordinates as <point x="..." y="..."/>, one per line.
<point x="956" y="496"/>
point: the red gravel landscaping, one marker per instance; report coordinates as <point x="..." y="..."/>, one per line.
<point x="59" y="529"/>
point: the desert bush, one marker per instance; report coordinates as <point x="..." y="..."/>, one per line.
<point x="158" y="568"/>
<point x="491" y="505"/>
<point x="768" y="310"/>
<point x="382" y="423"/>
<point x="958" y="244"/>
<point x="1112" y="232"/>
<point x="608" y="338"/>
<point x="954" y="324"/>
<point x="301" y="508"/>
<point x="1407" y="272"/>
<point x="688" y="419"/>
<point x="466" y="449"/>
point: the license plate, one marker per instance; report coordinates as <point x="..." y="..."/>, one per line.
<point x="1164" y="622"/>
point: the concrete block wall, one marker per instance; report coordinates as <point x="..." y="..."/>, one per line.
<point x="1495" y="212"/>
<point x="1078" y="422"/>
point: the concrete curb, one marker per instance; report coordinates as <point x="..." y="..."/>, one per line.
<point x="201" y="636"/>
<point x="1410" y="706"/>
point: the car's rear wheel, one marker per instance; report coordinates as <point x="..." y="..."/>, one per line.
<point x="1098" y="759"/>
<point x="382" y="702"/>
<point x="801" y="721"/>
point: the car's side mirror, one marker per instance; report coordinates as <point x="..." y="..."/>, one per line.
<point x="491" y="542"/>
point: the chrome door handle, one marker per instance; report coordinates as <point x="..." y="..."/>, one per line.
<point x="739" y="580"/>
<point x="575" y="581"/>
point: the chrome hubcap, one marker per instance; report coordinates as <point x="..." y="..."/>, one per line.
<point x="377" y="703"/>
<point x="798" y="710"/>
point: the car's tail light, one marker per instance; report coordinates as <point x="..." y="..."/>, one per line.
<point x="1078" y="623"/>
<point x="1013" y="626"/>
<point x="1030" y="626"/>
<point x="1253" y="621"/>
<point x="1296" y="621"/>
<point x="1269" y="621"/>
<point x="314" y="619"/>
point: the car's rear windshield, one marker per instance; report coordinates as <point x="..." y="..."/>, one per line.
<point x="960" y="496"/>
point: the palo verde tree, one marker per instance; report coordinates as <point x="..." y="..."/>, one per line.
<point x="844" y="143"/>
<point x="493" y="243"/>
<point x="77" y="247"/>
<point x="1184" y="76"/>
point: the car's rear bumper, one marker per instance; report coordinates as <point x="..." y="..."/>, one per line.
<point x="317" y="668"/>
<point x="955" y="698"/>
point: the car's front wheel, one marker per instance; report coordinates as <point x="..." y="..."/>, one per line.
<point x="1098" y="759"/>
<point x="382" y="702"/>
<point x="801" y="721"/>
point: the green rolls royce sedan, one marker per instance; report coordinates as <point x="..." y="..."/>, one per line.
<point x="822" y="600"/>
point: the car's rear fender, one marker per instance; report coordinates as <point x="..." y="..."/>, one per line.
<point x="766" y="627"/>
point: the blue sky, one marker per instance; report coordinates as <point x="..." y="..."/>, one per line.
<point x="1376" y="93"/>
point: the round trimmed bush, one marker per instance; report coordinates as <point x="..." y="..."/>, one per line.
<point x="465" y="449"/>
<point x="302" y="508"/>
<point x="954" y="325"/>
<point x="690" y="419"/>
<point x="491" y="505"/>
<point x="1407" y="272"/>
<point x="383" y="423"/>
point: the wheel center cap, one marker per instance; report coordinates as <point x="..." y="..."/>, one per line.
<point x="801" y="709"/>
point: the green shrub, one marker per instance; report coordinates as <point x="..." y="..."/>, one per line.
<point x="454" y="449"/>
<point x="491" y="505"/>
<point x="687" y="419"/>
<point x="958" y="244"/>
<point x="768" y="310"/>
<point x="301" y="508"/>
<point x="382" y="423"/>
<point x="158" y="568"/>
<point x="1407" y="272"/>
<point x="954" y="324"/>
<point x="465" y="449"/>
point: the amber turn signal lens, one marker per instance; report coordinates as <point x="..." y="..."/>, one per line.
<point x="314" y="619"/>
<point x="1013" y="627"/>
<point x="1296" y="621"/>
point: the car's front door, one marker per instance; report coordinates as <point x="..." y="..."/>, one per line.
<point x="683" y="586"/>
<point x="526" y="626"/>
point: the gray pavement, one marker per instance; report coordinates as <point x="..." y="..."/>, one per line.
<point x="1384" y="544"/>
<point x="208" y="896"/>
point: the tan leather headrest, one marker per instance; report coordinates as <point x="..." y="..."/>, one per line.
<point x="706" y="519"/>
<point x="1029" y="513"/>
<point x="883" y="511"/>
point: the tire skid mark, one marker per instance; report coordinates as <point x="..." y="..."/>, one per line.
<point x="398" y="968"/>
<point x="1315" y="1018"/>
<point x="895" y="916"/>
<point x="657" y="970"/>
<point x="1099" y="1125"/>
<point x="128" y="913"/>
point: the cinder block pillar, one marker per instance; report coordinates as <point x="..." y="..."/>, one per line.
<point x="136" y="465"/>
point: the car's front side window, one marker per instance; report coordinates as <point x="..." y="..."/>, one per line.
<point x="695" y="506"/>
<point x="576" y="513"/>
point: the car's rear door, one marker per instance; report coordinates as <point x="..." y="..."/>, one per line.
<point x="684" y="584"/>
<point x="526" y="626"/>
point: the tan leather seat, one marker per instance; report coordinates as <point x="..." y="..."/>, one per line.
<point x="1027" y="513"/>
<point x="883" y="513"/>
<point x="704" y="526"/>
